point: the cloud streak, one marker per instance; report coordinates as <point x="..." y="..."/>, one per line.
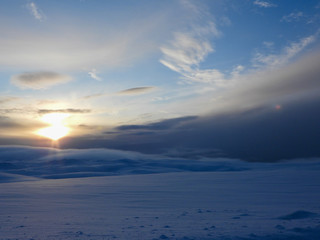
<point x="8" y="99"/>
<point x="187" y="50"/>
<point x="274" y="60"/>
<point x="292" y="17"/>
<point x="36" y="11"/>
<point x="162" y="125"/>
<point x="39" y="80"/>
<point x="68" y="110"/>
<point x="184" y="53"/>
<point x="264" y="4"/>
<point x="94" y="74"/>
<point x="136" y="90"/>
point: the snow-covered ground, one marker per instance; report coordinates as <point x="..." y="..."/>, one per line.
<point x="183" y="200"/>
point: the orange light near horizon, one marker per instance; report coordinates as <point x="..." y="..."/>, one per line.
<point x="57" y="129"/>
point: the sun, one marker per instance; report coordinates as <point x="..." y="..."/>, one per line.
<point x="57" y="129"/>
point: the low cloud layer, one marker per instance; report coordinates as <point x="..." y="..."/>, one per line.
<point x="39" y="80"/>
<point x="53" y="163"/>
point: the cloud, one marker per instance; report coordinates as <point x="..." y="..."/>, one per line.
<point x="6" y="111"/>
<point x="93" y="74"/>
<point x="72" y="44"/>
<point x="6" y="123"/>
<point x="184" y="55"/>
<point x="162" y="125"/>
<point x="36" y="11"/>
<point x="268" y="44"/>
<point x="244" y="122"/>
<point x="68" y="110"/>
<point x="185" y="52"/>
<point x="276" y="60"/>
<point x="188" y="49"/>
<point x="39" y="80"/>
<point x="14" y="110"/>
<point x="264" y="4"/>
<point x="137" y="90"/>
<point x="96" y="95"/>
<point x="292" y="17"/>
<point x="16" y="127"/>
<point x="7" y="99"/>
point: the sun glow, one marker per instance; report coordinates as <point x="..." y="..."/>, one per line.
<point x="57" y="129"/>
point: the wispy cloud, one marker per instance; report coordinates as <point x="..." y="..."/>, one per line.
<point x="75" y="45"/>
<point x="185" y="52"/>
<point x="39" y="80"/>
<point x="7" y="99"/>
<point x="268" y="44"/>
<point x="67" y="110"/>
<point x="96" y="95"/>
<point x="7" y="123"/>
<point x="137" y="90"/>
<point x="162" y="125"/>
<point x="292" y="17"/>
<point x="5" y="111"/>
<point x="188" y="49"/>
<point x="94" y="74"/>
<point x="36" y="11"/>
<point x="274" y="60"/>
<point x="264" y="4"/>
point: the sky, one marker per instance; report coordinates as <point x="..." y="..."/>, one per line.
<point x="179" y="78"/>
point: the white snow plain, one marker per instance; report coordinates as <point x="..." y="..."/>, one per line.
<point x="45" y="197"/>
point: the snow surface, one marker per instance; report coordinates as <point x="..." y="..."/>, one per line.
<point x="177" y="199"/>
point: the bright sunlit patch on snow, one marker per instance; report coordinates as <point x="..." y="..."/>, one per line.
<point x="57" y="129"/>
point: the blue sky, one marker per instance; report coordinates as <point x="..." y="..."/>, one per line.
<point x="106" y="64"/>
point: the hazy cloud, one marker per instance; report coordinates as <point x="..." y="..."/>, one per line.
<point x="292" y="17"/>
<point x="268" y="44"/>
<point x="264" y="4"/>
<point x="187" y="49"/>
<point x="7" y="99"/>
<point x="96" y="95"/>
<point x="77" y="46"/>
<point x="67" y="110"/>
<point x="162" y="125"/>
<point x="93" y="74"/>
<point x="39" y="80"/>
<point x="184" y="54"/>
<point x="137" y="90"/>
<point x="14" y="111"/>
<point x="273" y="60"/>
<point x="9" y="126"/>
<point x="36" y="11"/>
